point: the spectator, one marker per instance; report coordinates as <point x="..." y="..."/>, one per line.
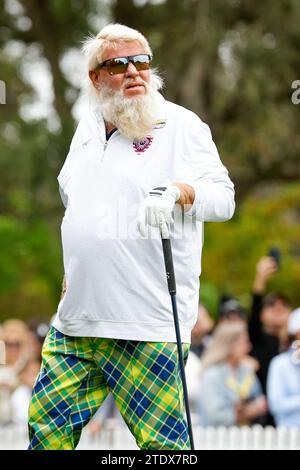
<point x="20" y="398"/>
<point x="2" y="349"/>
<point x="230" y="393"/>
<point x="231" y="310"/>
<point x="38" y="332"/>
<point x="201" y="332"/>
<point x="200" y="338"/>
<point x="15" y="336"/>
<point x="284" y="379"/>
<point x="268" y="319"/>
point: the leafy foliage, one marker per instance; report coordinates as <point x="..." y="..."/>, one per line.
<point x="268" y="218"/>
<point x="231" y="61"/>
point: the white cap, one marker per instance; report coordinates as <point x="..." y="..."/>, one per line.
<point x="294" y="322"/>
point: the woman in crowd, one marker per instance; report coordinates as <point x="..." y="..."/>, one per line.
<point x="230" y="393"/>
<point x="20" y="398"/>
<point x="15" y="336"/>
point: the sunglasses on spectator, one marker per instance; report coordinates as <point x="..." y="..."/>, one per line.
<point x="118" y="65"/>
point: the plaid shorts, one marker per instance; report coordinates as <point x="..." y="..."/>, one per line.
<point x="77" y="374"/>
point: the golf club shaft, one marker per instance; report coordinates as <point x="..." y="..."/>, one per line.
<point x="167" y="251"/>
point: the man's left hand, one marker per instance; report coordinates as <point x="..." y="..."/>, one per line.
<point x="156" y="209"/>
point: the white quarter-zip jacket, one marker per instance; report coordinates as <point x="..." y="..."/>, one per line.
<point x="116" y="279"/>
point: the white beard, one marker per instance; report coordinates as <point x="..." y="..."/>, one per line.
<point x="133" y="117"/>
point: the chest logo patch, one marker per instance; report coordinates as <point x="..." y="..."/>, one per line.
<point x="141" y="145"/>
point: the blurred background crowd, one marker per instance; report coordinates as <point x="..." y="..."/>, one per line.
<point x="243" y="367"/>
<point x="235" y="63"/>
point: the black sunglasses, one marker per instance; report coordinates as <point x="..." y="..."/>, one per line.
<point x="120" y="64"/>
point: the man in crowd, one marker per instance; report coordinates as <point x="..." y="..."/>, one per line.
<point x="268" y="319"/>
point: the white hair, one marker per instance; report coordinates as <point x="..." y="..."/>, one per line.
<point x="110" y="36"/>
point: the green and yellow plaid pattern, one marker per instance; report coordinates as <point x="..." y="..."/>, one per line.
<point x="76" y="375"/>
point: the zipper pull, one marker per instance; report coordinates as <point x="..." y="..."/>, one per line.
<point x="105" y="145"/>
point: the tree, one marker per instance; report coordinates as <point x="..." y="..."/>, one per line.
<point x="232" y="62"/>
<point x="267" y="218"/>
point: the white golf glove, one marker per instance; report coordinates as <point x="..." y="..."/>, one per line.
<point x="156" y="209"/>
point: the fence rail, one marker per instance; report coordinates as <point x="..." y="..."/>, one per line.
<point x="119" y="438"/>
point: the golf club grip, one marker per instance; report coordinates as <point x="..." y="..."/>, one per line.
<point x="166" y="244"/>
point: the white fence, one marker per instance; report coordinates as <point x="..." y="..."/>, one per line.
<point x="245" y="438"/>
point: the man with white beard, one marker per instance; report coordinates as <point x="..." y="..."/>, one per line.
<point x="138" y="167"/>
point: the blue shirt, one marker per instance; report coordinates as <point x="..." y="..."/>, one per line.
<point x="221" y="389"/>
<point x="283" y="389"/>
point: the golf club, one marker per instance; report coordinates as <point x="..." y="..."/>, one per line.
<point x="167" y="251"/>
